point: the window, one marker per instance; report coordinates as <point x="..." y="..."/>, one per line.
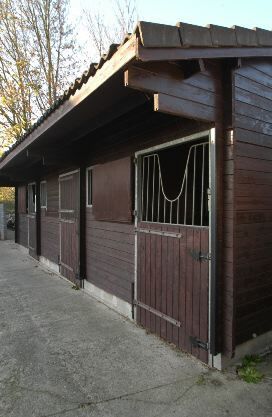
<point x="89" y="186"/>
<point x="175" y="185"/>
<point x="43" y="194"/>
<point x="32" y="198"/>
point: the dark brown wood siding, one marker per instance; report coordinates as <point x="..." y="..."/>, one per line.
<point x="252" y="118"/>
<point x="112" y="191"/>
<point x="110" y="246"/>
<point x="50" y="221"/>
<point x="175" y="283"/>
<point x="23" y="229"/>
<point x="22" y="203"/>
<point x="110" y="256"/>
<point x="227" y="289"/>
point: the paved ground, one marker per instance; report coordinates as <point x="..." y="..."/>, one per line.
<point x="64" y="354"/>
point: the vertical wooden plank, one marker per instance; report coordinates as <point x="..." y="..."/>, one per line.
<point x="196" y="291"/>
<point x="169" y="285"/>
<point x="189" y="288"/>
<point x="147" y="278"/>
<point x="142" y="277"/>
<point x="204" y="294"/>
<point x="164" y="285"/>
<point x="17" y="204"/>
<point x="153" y="240"/>
<point x="176" y="288"/>
<point x="158" y="280"/>
<point x="182" y="288"/>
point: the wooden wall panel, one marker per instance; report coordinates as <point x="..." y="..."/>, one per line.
<point x="227" y="290"/>
<point x="23" y="230"/>
<point x="50" y="222"/>
<point x="252" y="118"/>
<point x="110" y="247"/>
<point x="173" y="282"/>
<point x="22" y="203"/>
<point x="110" y="256"/>
<point x="112" y="191"/>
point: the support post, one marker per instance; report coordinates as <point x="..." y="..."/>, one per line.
<point x="16" y="231"/>
<point x="82" y="226"/>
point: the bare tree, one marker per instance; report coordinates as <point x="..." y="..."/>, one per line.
<point x="37" y="60"/>
<point x="103" y="31"/>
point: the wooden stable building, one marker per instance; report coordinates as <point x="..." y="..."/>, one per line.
<point x="148" y="183"/>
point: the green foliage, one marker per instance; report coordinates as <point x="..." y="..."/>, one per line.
<point x="248" y="371"/>
<point x="7" y="194"/>
<point x="251" y="360"/>
<point x="37" y="60"/>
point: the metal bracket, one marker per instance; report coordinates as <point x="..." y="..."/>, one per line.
<point x="196" y="343"/>
<point x="160" y="233"/>
<point x="157" y="313"/>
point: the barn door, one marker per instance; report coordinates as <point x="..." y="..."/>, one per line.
<point x="173" y="244"/>
<point x="31" y="219"/>
<point x="69" y="225"/>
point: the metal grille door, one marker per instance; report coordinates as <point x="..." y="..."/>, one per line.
<point x="69" y="225"/>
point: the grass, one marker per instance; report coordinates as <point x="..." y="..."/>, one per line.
<point x="248" y="371"/>
<point x="75" y="287"/>
<point x="200" y="380"/>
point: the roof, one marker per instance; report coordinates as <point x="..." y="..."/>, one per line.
<point x="153" y="35"/>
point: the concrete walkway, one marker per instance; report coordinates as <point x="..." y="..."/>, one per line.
<point x="64" y="354"/>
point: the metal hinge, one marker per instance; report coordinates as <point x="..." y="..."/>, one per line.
<point x="196" y="343"/>
<point x="209" y="194"/>
<point x="200" y="256"/>
<point x="135" y="160"/>
<point x="135" y="213"/>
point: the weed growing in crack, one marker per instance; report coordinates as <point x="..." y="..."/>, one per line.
<point x="248" y="371"/>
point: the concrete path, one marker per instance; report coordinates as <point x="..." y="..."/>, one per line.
<point x="64" y="354"/>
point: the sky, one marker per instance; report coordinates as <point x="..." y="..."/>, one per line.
<point x="247" y="13"/>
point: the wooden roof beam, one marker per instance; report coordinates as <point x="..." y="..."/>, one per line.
<point x="175" y="54"/>
<point x="177" y="106"/>
<point x="193" y="97"/>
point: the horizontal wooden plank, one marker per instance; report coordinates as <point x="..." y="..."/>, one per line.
<point x="254" y="74"/>
<point x="114" y="253"/>
<point x="251" y="98"/>
<point x="246" y="176"/>
<point x="250" y="190"/>
<point x="261" y="65"/>
<point x="110" y="286"/>
<point x="116" y="270"/>
<point x="253" y="151"/>
<point x="252" y="164"/>
<point x="253" y="112"/>
<point x="248" y="136"/>
<point x="171" y="54"/>
<point x="253" y="202"/>
<point x="245" y="217"/>
<point x="180" y="107"/>
<point x="252" y="124"/>
<point x="252" y="86"/>
<point x="110" y="244"/>
<point x="115" y="236"/>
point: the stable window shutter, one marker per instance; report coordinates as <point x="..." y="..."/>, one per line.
<point x="112" y="191"/>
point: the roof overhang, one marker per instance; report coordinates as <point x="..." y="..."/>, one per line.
<point x="101" y="96"/>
